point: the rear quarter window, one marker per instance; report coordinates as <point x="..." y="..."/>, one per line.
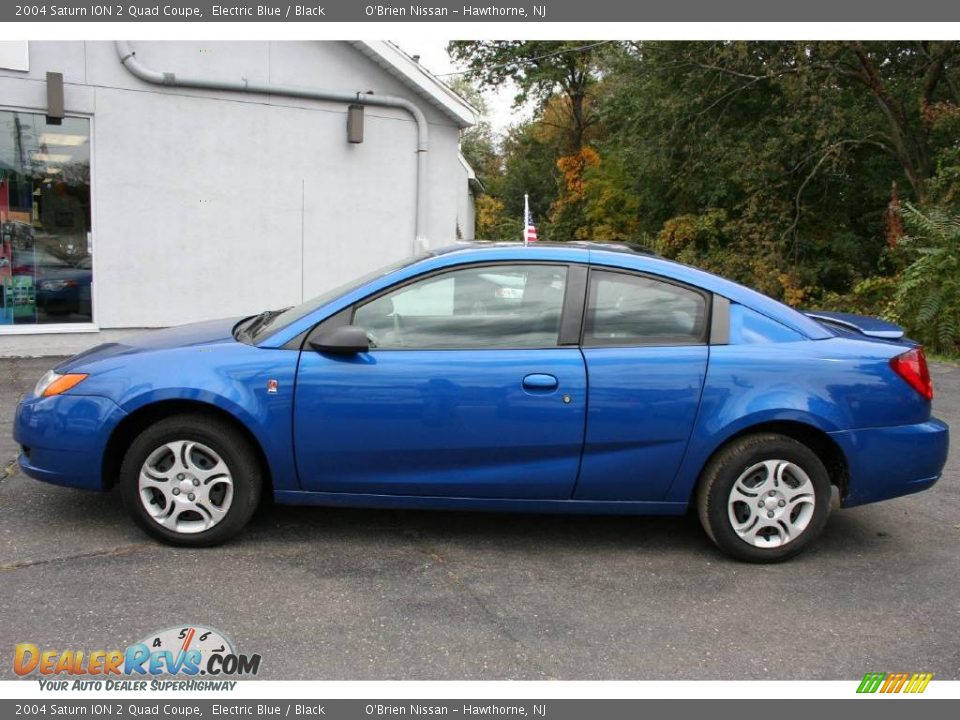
<point x="748" y="327"/>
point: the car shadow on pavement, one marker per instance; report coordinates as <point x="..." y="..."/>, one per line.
<point x="77" y="519"/>
<point x="481" y="527"/>
<point x="683" y="535"/>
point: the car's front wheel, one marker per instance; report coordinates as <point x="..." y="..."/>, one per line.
<point x="764" y="498"/>
<point x="190" y="480"/>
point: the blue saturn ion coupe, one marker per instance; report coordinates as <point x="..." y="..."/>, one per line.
<point x="573" y="378"/>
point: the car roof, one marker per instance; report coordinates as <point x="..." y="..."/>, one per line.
<point x="586" y="245"/>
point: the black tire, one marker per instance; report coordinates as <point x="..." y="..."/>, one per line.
<point x="234" y="450"/>
<point x="725" y="469"/>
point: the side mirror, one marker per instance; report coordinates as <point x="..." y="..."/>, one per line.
<point x="345" y="340"/>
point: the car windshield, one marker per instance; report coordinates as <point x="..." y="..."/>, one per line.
<point x="291" y="315"/>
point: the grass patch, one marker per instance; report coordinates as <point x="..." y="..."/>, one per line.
<point x="945" y="359"/>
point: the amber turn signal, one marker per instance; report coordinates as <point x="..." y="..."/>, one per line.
<point x="64" y="383"/>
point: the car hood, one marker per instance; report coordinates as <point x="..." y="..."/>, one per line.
<point x="201" y="333"/>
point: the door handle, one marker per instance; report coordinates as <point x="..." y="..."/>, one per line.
<point x="540" y="381"/>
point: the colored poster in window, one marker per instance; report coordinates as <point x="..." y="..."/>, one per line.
<point x="6" y="240"/>
<point x="24" y="297"/>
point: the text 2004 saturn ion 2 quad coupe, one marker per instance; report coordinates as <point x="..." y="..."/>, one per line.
<point x="568" y="378"/>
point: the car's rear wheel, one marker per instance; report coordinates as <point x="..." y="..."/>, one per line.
<point x="764" y="498"/>
<point x="190" y="480"/>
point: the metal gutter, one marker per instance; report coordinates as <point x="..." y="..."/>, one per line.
<point x="419" y="79"/>
<point x="155" y="77"/>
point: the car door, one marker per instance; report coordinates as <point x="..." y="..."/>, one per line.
<point x="645" y="347"/>
<point x="471" y="388"/>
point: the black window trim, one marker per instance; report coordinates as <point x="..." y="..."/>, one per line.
<point x="567" y="336"/>
<point x="588" y="305"/>
<point x="574" y="305"/>
<point x="720" y="320"/>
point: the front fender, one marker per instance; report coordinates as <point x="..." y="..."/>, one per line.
<point x="231" y="377"/>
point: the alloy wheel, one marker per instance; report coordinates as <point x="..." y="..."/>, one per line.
<point x="185" y="486"/>
<point x="771" y="503"/>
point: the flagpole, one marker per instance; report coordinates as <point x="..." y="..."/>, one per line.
<point x="526" y="217"/>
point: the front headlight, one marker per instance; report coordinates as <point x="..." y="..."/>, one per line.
<point x="54" y="383"/>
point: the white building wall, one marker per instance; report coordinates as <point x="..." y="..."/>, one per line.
<point x="210" y="204"/>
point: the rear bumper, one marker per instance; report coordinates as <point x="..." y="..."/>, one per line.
<point x="888" y="462"/>
<point x="64" y="438"/>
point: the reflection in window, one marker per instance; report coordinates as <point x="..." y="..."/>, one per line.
<point x="509" y="306"/>
<point x="635" y="310"/>
<point x="45" y="263"/>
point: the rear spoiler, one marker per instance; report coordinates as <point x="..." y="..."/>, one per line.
<point x="869" y="326"/>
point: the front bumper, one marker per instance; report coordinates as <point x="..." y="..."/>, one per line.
<point x="63" y="438"/>
<point x="888" y="462"/>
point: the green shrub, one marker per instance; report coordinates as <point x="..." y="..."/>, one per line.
<point x="927" y="301"/>
<point x="871" y="296"/>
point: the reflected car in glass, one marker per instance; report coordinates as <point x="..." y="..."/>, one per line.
<point x="64" y="289"/>
<point x="568" y="378"/>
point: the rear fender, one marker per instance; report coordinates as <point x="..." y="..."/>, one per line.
<point x="829" y="385"/>
<point x="703" y="446"/>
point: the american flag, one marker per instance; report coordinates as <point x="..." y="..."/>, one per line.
<point x="529" y="229"/>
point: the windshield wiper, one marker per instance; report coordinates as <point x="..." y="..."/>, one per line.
<point x="258" y="322"/>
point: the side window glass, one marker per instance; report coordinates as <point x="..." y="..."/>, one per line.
<point x="625" y="309"/>
<point x="493" y="306"/>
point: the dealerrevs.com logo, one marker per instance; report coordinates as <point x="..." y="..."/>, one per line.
<point x="894" y="682"/>
<point x="188" y="650"/>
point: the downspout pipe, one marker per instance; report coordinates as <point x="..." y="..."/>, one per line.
<point x="155" y="77"/>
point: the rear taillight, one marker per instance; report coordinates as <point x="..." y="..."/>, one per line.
<point x="912" y="367"/>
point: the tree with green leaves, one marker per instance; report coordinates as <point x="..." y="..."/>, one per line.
<point x="799" y="143"/>
<point x="558" y="76"/>
<point x="782" y="165"/>
<point x="928" y="294"/>
<point x="542" y="71"/>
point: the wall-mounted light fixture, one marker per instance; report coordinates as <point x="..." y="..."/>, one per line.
<point x="355" y="122"/>
<point x="54" y="98"/>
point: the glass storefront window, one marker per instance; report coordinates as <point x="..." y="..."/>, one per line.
<point x="46" y="274"/>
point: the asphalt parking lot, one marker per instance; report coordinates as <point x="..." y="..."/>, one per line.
<point x="361" y="594"/>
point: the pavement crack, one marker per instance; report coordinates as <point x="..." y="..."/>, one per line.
<point x="108" y="552"/>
